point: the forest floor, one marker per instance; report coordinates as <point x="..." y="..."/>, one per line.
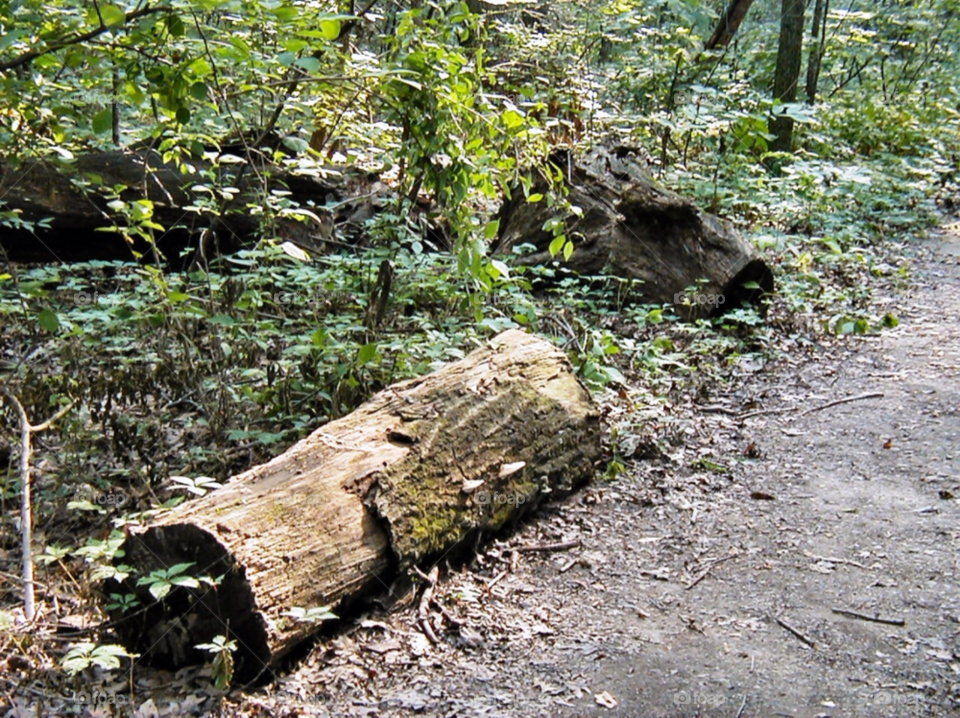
<point x="791" y="557"/>
<point x="709" y="593"/>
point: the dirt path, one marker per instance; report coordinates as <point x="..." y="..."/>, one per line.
<point x="699" y="592"/>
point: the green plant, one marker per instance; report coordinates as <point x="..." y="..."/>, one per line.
<point x="222" y="650"/>
<point x="85" y="655"/>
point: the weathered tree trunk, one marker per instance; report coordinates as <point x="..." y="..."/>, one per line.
<point x="634" y="229"/>
<point x="728" y="25"/>
<point x="74" y="215"/>
<point x="412" y="474"/>
<point x="787" y="74"/>
<point x="818" y="35"/>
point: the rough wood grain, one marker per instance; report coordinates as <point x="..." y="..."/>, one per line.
<point x="634" y="229"/>
<point x="414" y="473"/>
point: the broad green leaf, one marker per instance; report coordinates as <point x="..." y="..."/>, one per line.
<point x="112" y="15"/>
<point x="367" y="353"/>
<point x="175" y="26"/>
<point x="103" y="121"/>
<point x="512" y="119"/>
<point x="330" y="29"/>
<point x="49" y="320"/>
<point x="294" y="251"/>
<point x="557" y="244"/>
<point x="490" y="231"/>
<point x="310" y="64"/>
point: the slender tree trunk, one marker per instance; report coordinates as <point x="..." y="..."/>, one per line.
<point x="818" y="31"/>
<point x="729" y="24"/>
<point x="26" y="501"/>
<point x="789" y="59"/>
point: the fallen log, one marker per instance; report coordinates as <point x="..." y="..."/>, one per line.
<point x="634" y="229"/>
<point x="65" y="206"/>
<point x="422" y="468"/>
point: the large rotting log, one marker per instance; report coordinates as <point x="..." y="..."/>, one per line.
<point x="412" y="474"/>
<point x="634" y="229"/>
<point x="64" y="206"/>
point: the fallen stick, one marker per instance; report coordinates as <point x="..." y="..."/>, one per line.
<point x="845" y="400"/>
<point x="423" y="610"/>
<point x="743" y="705"/>
<point x="874" y="619"/>
<point x="831" y="559"/>
<point x="790" y="629"/>
<point x="562" y="546"/>
<point x="785" y="410"/>
<point x="703" y="574"/>
<point x="763" y="412"/>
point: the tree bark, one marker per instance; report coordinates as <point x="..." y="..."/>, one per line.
<point x="728" y="25"/>
<point x="73" y="215"/>
<point x="789" y="59"/>
<point x="418" y="471"/>
<point x="634" y="229"/>
<point x="818" y="31"/>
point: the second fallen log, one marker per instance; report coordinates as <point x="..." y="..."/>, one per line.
<point x="418" y="470"/>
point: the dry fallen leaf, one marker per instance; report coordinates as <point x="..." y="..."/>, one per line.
<point x="762" y="496"/>
<point x="606" y="700"/>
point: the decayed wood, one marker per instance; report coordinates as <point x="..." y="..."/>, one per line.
<point x="634" y="229"/>
<point x="68" y="208"/>
<point x="414" y="473"/>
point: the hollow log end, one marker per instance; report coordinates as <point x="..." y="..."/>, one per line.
<point x="214" y="599"/>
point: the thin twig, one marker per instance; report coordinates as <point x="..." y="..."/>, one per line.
<point x="562" y="546"/>
<point x="703" y="574"/>
<point x="763" y="412"/>
<point x="790" y="629"/>
<point x="784" y="410"/>
<point x="845" y="400"/>
<point x="831" y="559"/>
<point x="743" y="705"/>
<point x="423" y="611"/>
<point x="874" y="619"/>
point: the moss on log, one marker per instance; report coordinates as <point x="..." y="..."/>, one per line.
<point x="422" y="467"/>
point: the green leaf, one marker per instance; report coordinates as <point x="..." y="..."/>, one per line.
<point x="11" y="37"/>
<point x="512" y="119"/>
<point x="890" y="321"/>
<point x="286" y="13"/>
<point x="198" y="91"/>
<point x="49" y="320"/>
<point x="557" y="244"/>
<point x="112" y="15"/>
<point x="490" y="231"/>
<point x="183" y="115"/>
<point x="103" y="121"/>
<point x="567" y="250"/>
<point x="367" y="353"/>
<point x="310" y="64"/>
<point x="175" y="26"/>
<point x="330" y="29"/>
<point x="536" y="197"/>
